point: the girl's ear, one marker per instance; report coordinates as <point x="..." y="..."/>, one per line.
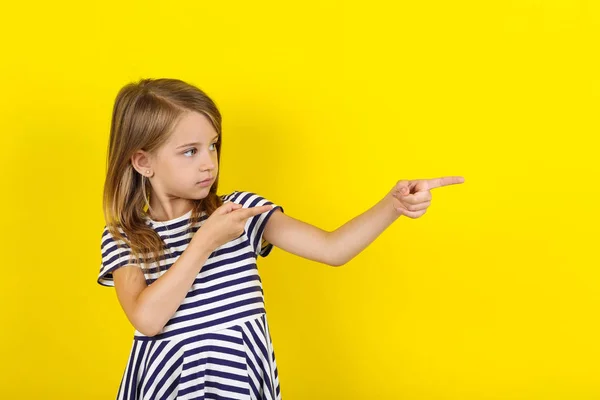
<point x="142" y="163"/>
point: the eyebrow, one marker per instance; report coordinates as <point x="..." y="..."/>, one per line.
<point x="195" y="143"/>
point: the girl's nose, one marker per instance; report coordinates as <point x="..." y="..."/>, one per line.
<point x="207" y="163"/>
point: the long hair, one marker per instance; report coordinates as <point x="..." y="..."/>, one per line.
<point x="144" y="115"/>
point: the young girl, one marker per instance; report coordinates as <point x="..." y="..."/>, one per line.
<point x="182" y="258"/>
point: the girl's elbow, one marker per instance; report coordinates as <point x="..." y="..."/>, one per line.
<point x="148" y="331"/>
<point x="148" y="326"/>
<point x="336" y="262"/>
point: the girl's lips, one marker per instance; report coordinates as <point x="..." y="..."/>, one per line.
<point x="206" y="182"/>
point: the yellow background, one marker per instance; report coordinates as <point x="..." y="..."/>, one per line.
<point x="492" y="294"/>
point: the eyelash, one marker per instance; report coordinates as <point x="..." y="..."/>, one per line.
<point x="213" y="144"/>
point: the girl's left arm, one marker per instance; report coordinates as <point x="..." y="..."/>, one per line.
<point x="409" y="198"/>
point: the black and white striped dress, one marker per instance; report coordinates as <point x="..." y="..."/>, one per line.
<point x="217" y="345"/>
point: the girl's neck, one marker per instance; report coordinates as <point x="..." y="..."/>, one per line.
<point x="169" y="210"/>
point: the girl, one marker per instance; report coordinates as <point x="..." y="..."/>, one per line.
<point x="182" y="258"/>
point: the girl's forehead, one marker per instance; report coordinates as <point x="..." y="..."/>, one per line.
<point x="192" y="127"/>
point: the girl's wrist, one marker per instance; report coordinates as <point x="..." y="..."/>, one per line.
<point x="202" y="244"/>
<point x="388" y="204"/>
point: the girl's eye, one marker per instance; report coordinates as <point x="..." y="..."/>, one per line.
<point x="189" y="151"/>
<point x="195" y="151"/>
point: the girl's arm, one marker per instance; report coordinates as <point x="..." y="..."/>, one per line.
<point x="149" y="308"/>
<point x="409" y="198"/>
<point x="332" y="248"/>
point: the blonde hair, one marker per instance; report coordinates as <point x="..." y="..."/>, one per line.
<point x="144" y="115"/>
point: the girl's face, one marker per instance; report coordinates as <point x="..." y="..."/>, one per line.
<point x="186" y="166"/>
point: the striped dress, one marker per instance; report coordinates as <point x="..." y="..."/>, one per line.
<point x="217" y="345"/>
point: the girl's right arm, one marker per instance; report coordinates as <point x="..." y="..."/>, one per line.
<point x="149" y="308"/>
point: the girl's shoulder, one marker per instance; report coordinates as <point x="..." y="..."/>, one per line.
<point x="108" y="238"/>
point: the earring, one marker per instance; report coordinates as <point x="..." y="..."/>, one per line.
<point x="147" y="172"/>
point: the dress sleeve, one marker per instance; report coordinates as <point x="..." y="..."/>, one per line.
<point x="115" y="254"/>
<point x="256" y="224"/>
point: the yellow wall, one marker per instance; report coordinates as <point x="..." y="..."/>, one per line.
<point x="493" y="294"/>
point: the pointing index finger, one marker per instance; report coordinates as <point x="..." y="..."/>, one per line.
<point x="445" y="181"/>
<point x="252" y="211"/>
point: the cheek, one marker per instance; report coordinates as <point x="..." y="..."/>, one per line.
<point x="164" y="163"/>
<point x="176" y="167"/>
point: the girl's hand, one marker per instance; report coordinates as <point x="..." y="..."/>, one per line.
<point x="226" y="223"/>
<point x="411" y="198"/>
